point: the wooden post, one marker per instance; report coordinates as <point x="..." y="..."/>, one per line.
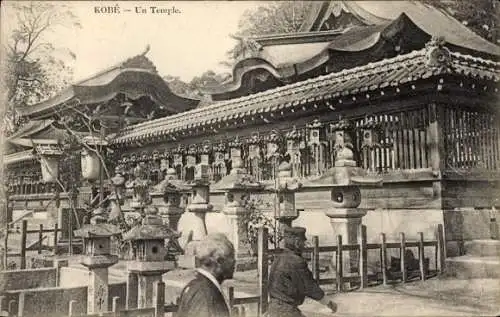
<point x="383" y="258"/>
<point x="132" y="290"/>
<point x="159" y="298"/>
<point x="71" y="307"/>
<point x="263" y="269"/>
<point x="12" y="308"/>
<point x="40" y="238"/>
<point x="23" y="244"/>
<point x="114" y="305"/>
<point x="230" y="295"/>
<point x="315" y="258"/>
<point x="421" y="256"/>
<point x="56" y="231"/>
<point x="363" y="255"/>
<point x="6" y="248"/>
<point x="2" y="299"/>
<point x="339" y="264"/>
<point x="402" y="257"/>
<point x="441" y="248"/>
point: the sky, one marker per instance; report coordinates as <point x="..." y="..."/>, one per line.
<point x="185" y="44"/>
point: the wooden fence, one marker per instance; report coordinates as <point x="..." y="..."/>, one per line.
<point x="361" y="278"/>
<point x="36" y="246"/>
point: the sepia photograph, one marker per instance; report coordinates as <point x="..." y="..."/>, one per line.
<point x="249" y="158"/>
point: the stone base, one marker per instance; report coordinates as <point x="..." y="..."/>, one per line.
<point x="246" y="263"/>
<point x="150" y="267"/>
<point x="186" y="261"/>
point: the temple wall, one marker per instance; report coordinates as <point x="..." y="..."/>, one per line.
<point x="27" y="279"/>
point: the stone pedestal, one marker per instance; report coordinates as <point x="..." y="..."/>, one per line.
<point x="347" y="223"/>
<point x="235" y="216"/>
<point x="97" y="294"/>
<point x="199" y="206"/>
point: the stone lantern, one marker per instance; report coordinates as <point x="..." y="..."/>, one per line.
<point x="49" y="160"/>
<point x="238" y="185"/>
<point x="166" y="196"/>
<point x="98" y="258"/>
<point x="344" y="181"/>
<point x="118" y="182"/>
<point x="199" y="207"/>
<point x="285" y="190"/>
<point x="148" y="261"/>
<point x="91" y="163"/>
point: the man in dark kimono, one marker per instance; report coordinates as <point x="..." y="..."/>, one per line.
<point x="203" y="296"/>
<point x="290" y="280"/>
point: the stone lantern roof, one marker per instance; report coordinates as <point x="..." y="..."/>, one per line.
<point x="152" y="228"/>
<point x="97" y="227"/>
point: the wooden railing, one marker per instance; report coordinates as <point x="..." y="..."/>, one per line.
<point x="362" y="278"/>
<point x="37" y="246"/>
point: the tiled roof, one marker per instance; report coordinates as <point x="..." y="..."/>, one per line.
<point x="402" y="69"/>
<point x="134" y="77"/>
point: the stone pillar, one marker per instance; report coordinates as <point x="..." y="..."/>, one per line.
<point x="146" y="289"/>
<point x="285" y="190"/>
<point x="200" y="206"/>
<point x="97" y="294"/>
<point x="132" y="289"/>
<point x="235" y="214"/>
<point x="166" y="196"/>
<point x="97" y="258"/>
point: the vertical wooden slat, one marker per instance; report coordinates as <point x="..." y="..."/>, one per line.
<point x="6" y="247"/>
<point x="482" y="144"/>
<point x="421" y="255"/>
<point x="40" y="238"/>
<point x="401" y="142"/>
<point x="383" y="258"/>
<point x="339" y="264"/>
<point x="71" y="309"/>
<point x="114" y="304"/>
<point x="56" y="232"/>
<point x="230" y="295"/>
<point x="12" y="308"/>
<point x="2" y="304"/>
<point x="315" y="258"/>
<point x="402" y="257"/>
<point x="23" y="244"/>
<point x="363" y="257"/>
<point x="263" y="269"/>
<point x="441" y="248"/>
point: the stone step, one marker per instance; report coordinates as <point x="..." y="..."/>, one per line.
<point x="482" y="248"/>
<point x="467" y="267"/>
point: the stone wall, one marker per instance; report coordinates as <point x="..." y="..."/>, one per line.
<point x="54" y="301"/>
<point x="27" y="279"/>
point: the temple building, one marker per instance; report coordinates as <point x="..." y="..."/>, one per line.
<point x="416" y="95"/>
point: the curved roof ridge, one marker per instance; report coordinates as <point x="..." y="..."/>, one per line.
<point x="301" y="84"/>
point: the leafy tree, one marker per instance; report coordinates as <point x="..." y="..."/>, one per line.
<point x="35" y="68"/>
<point x="481" y="16"/>
<point x="274" y="17"/>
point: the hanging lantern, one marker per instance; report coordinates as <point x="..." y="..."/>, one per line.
<point x="49" y="157"/>
<point x="91" y="164"/>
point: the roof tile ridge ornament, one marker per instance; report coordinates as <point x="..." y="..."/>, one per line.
<point x="342" y="124"/>
<point x="255" y="138"/>
<point x="180" y="149"/>
<point x="436" y="54"/>
<point x="315" y="124"/>
<point x="293" y="134"/>
<point x="220" y="146"/>
<point x="274" y="136"/>
<point x="235" y="143"/>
